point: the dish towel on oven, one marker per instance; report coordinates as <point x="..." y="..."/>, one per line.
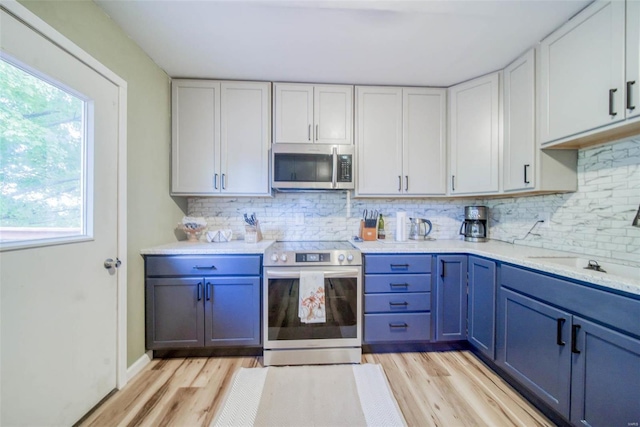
<point x="311" y="307"/>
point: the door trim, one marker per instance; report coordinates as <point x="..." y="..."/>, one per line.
<point x="39" y="25"/>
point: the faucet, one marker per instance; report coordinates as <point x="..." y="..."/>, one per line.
<point x="636" y="220"/>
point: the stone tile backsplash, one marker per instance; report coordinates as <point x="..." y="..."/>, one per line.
<point x="595" y="220"/>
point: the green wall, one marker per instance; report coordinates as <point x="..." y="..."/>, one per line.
<point x="151" y="213"/>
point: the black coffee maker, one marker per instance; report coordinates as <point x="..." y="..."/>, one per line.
<point x="475" y="228"/>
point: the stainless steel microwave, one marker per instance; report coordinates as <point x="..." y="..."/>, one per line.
<point x="312" y="167"/>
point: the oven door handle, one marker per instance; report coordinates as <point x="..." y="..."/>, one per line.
<point x="272" y="274"/>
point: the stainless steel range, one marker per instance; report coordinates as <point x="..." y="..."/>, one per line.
<point x="312" y="303"/>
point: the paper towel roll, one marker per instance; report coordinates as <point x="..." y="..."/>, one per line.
<point x="401" y="230"/>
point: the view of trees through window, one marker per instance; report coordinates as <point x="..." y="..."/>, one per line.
<point x="42" y="140"/>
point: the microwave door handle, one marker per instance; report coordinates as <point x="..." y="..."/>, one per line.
<point x="271" y="274"/>
<point x="334" y="175"/>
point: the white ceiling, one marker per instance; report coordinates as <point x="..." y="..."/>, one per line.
<point x="412" y="43"/>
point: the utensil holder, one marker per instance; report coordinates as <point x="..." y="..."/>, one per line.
<point x="252" y="233"/>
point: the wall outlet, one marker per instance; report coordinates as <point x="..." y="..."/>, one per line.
<point x="298" y="219"/>
<point x="546" y="217"/>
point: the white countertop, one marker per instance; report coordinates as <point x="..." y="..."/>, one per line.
<point x="524" y="256"/>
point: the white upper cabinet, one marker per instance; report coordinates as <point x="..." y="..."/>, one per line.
<point x="474" y="139"/>
<point x="220" y="138"/>
<point x="379" y="140"/>
<point x="195" y="145"/>
<point x="632" y="101"/>
<point x="583" y="72"/>
<point x="519" y="145"/>
<point x="321" y="114"/>
<point x="401" y="137"/>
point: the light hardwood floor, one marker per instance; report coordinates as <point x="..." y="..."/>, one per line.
<point x="447" y="388"/>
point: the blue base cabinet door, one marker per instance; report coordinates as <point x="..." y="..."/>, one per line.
<point x="451" y="304"/>
<point x="605" y="388"/>
<point x="481" y="308"/>
<point x="174" y="313"/>
<point x="535" y="347"/>
<point x="232" y="311"/>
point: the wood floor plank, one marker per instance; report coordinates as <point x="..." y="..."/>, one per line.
<point x="444" y="388"/>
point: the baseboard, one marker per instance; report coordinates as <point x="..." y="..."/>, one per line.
<point x="139" y="365"/>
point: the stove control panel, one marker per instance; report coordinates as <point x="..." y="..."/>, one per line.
<point x="313" y="258"/>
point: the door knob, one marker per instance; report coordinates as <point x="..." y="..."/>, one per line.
<point x="110" y="263"/>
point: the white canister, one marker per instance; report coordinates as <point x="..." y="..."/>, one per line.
<point x="401" y="229"/>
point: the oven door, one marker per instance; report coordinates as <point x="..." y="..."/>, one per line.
<point x="283" y="328"/>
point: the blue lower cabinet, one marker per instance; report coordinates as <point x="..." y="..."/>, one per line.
<point x="451" y="297"/>
<point x="406" y="327"/>
<point x="605" y="377"/>
<point x="535" y="347"/>
<point x="232" y="311"/>
<point x="481" y="310"/>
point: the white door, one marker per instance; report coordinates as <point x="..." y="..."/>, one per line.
<point x="333" y="114"/>
<point x="632" y="94"/>
<point x="195" y="142"/>
<point x="58" y="307"/>
<point x="424" y="141"/>
<point x="474" y="138"/>
<point x="244" y="147"/>
<point x="582" y="72"/>
<point x="379" y="140"/>
<point x="519" y="124"/>
<point x="293" y="110"/>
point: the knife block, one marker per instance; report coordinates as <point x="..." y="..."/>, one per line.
<point x="252" y="233"/>
<point x="368" y="233"/>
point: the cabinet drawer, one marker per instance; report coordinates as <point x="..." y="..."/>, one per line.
<point x="397" y="264"/>
<point x="397" y="283"/>
<point x="397" y="327"/>
<point x="394" y="303"/>
<point x="203" y="265"/>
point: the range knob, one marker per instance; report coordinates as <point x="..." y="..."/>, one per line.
<point x="274" y="257"/>
<point x="341" y="257"/>
<point x="283" y="257"/>
<point x="349" y="257"/>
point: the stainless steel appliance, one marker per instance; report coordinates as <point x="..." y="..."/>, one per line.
<point x="312" y="167"/>
<point x="474" y="227"/>
<point x="416" y="232"/>
<point x="337" y="337"/>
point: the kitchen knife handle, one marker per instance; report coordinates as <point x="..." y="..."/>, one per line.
<point x="526" y="181"/>
<point x="559" y="323"/>
<point x="406" y="184"/>
<point x="574" y="339"/>
<point x="629" y="105"/>
<point x="199" y="291"/>
<point x="611" y="92"/>
<point x="399" y="183"/>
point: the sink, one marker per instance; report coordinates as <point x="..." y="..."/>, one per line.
<point x="580" y="263"/>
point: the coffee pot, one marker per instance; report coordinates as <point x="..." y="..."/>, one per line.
<point x="417" y="232"/>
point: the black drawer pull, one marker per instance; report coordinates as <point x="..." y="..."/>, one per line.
<point x="611" y="112"/>
<point x="199" y="291"/>
<point x="574" y="339"/>
<point x="526" y="180"/>
<point x="398" y="325"/>
<point x="399" y="285"/>
<point x="205" y="267"/>
<point x="630" y="106"/>
<point x="560" y="322"/>
<point x="405" y="266"/>
<point x="393" y="304"/>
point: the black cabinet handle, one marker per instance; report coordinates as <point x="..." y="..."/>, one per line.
<point x="526" y="181"/>
<point x="560" y="322"/>
<point x="404" y="266"/>
<point x="398" y="325"/>
<point x="208" y="291"/>
<point x="204" y="267"/>
<point x="611" y="92"/>
<point x="399" y="183"/>
<point x="215" y="181"/>
<point x="394" y="304"/>
<point x="406" y="184"/>
<point x="574" y="339"/>
<point x="224" y="181"/>
<point x="453" y="183"/>
<point x="629" y="105"/>
<point x="442" y="268"/>
<point x="399" y="285"/>
<point x="199" y="291"/>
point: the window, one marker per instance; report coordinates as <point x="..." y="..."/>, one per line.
<point x="42" y="159"/>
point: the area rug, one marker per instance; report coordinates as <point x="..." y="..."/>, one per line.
<point x="328" y="395"/>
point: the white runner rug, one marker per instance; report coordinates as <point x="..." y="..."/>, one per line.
<point x="328" y="395"/>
